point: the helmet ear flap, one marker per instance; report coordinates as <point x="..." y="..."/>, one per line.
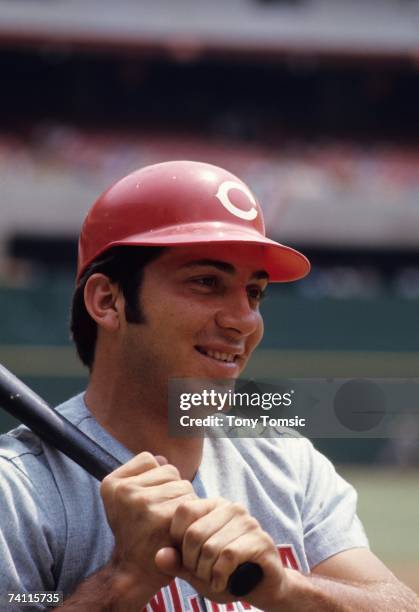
<point x="182" y="203"/>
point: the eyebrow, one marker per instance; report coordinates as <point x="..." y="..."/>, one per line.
<point x="224" y="267"/>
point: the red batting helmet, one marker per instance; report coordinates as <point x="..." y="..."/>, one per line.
<point x="182" y="203"/>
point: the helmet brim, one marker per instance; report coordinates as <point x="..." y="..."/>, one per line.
<point x="283" y="263"/>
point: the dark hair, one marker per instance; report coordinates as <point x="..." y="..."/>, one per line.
<point x="123" y="265"/>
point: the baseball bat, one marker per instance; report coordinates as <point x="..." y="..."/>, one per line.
<point x="24" y="404"/>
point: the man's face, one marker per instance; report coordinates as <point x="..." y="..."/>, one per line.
<point x="201" y="307"/>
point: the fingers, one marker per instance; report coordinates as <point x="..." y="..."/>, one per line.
<point x="248" y="547"/>
<point x="213" y="580"/>
<point x="141" y="471"/>
<point x="206" y="529"/>
<point x="186" y="514"/>
<point x="197" y="526"/>
<point x="161" y="460"/>
<point x="220" y="542"/>
<point x="130" y="497"/>
<point x="137" y="465"/>
<point x="140" y="486"/>
<point x="156" y="476"/>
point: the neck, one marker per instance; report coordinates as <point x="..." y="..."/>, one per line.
<point x="139" y="421"/>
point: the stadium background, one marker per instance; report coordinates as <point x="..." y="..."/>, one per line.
<point x="313" y="102"/>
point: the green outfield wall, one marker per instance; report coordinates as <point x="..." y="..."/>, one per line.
<point x="303" y="338"/>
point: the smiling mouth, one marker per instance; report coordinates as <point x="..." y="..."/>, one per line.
<point x="218" y="356"/>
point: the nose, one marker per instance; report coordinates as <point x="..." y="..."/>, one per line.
<point x="237" y="314"/>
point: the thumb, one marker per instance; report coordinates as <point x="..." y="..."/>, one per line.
<point x="168" y="561"/>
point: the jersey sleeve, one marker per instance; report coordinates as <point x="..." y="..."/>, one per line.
<point x="26" y="537"/>
<point x="329" y="514"/>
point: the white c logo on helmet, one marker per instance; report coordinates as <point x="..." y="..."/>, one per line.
<point x="222" y="195"/>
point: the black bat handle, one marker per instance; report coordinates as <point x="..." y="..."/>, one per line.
<point x="24" y="404"/>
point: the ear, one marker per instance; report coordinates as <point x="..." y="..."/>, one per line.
<point x="103" y="301"/>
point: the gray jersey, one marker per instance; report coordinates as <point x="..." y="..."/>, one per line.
<point x="54" y="533"/>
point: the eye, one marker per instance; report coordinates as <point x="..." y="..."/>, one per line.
<point x="205" y="281"/>
<point x="256" y="293"/>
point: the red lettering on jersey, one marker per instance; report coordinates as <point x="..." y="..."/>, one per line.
<point x="174" y="592"/>
<point x="230" y="607"/>
<point x="193" y="602"/>
<point x="157" y="603"/>
<point x="288" y="557"/>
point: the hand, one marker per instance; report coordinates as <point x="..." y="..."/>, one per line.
<point x="140" y="500"/>
<point x="214" y="537"/>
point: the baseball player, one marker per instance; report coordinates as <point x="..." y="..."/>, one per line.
<point x="173" y="264"/>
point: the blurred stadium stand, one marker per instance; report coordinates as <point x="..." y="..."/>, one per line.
<point x="315" y="103"/>
<point x="388" y="27"/>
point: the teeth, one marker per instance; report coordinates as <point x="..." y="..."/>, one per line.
<point x="220" y="356"/>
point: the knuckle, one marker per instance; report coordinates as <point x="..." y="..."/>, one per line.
<point x="147" y="457"/>
<point x="187" y="487"/>
<point x="252" y="524"/>
<point x="268" y="540"/>
<point x="140" y="500"/>
<point x="184" y="510"/>
<point x="172" y="471"/>
<point x="159" y="514"/>
<point x="189" y="497"/>
<point x="129" y="497"/>
<point x="147" y="460"/>
<point x="208" y="550"/>
<point x="106" y="486"/>
<point x="122" y="490"/>
<point x="239" y="509"/>
<point x="228" y="554"/>
<point x="192" y="536"/>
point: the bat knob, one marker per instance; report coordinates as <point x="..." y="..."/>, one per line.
<point x="244" y="579"/>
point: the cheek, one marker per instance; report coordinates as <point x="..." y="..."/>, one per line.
<point x="177" y="321"/>
<point x="258" y="333"/>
